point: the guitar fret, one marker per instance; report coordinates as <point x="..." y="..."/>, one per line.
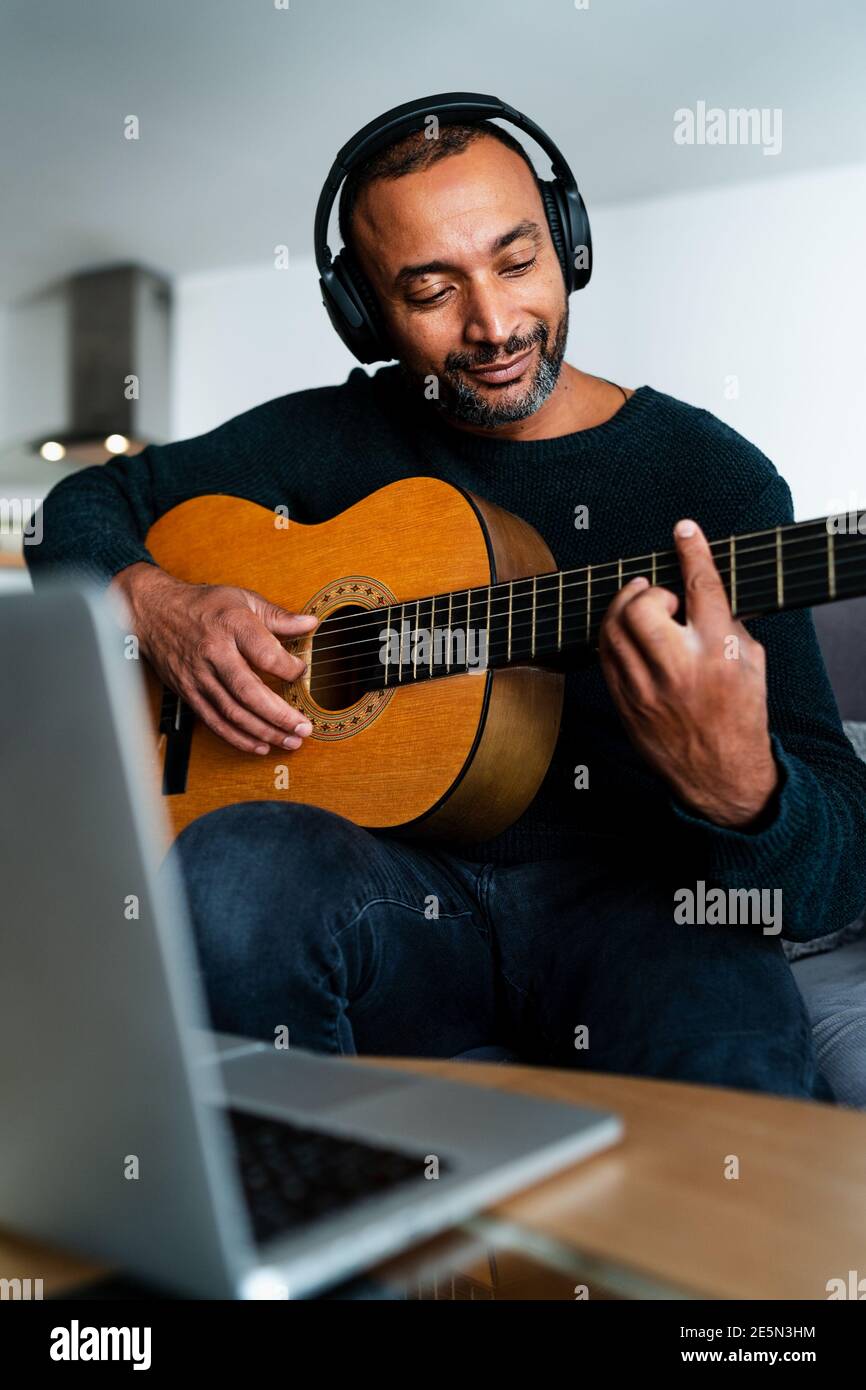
<point x="510" y="598"/>
<point x="448" y="632"/>
<point x="534" y="582"/>
<point x="402" y="635"/>
<point x="559" y="617"/>
<point x="475" y="652"/>
<point x="415" y="648"/>
<point x="733" y="578"/>
<point x="467" y="624"/>
<point x="545" y="598"/>
<point x="805" y="564"/>
<point x="780" y="580"/>
<point x="588" y="600"/>
<point x="432" y="630"/>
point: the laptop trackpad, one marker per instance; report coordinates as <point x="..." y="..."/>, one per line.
<point x="294" y="1081"/>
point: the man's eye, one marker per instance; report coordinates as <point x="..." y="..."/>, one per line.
<point x="432" y="300"/>
<point x="509" y="270"/>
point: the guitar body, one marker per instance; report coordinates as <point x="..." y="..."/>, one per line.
<point x="460" y="757"/>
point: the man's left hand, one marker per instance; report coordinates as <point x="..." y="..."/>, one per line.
<point x="693" y="697"/>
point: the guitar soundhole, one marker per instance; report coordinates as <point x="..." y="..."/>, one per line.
<point x="345" y="662"/>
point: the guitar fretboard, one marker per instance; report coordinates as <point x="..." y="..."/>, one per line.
<point x="543" y="617"/>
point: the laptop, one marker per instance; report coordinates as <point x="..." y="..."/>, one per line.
<point x="208" y="1165"/>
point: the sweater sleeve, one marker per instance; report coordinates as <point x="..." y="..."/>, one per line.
<point x="810" y="841"/>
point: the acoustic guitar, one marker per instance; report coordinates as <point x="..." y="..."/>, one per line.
<point x="434" y="679"/>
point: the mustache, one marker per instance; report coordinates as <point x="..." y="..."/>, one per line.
<point x="458" y="361"/>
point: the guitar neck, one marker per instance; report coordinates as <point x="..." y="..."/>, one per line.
<point x="547" y="616"/>
<point x="535" y="619"/>
<point x="801" y="565"/>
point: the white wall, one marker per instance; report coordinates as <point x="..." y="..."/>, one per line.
<point x="5" y="337"/>
<point x="762" y="281"/>
<point x="245" y="335"/>
<point x="35" y="364"/>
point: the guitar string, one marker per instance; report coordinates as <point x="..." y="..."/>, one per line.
<point x="670" y="557"/>
<point x="667" y="563"/>
<point x="796" y="594"/>
<point x="373" y="674"/>
<point x="741" y="573"/>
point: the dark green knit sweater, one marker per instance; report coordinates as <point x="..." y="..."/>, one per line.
<point x="656" y="460"/>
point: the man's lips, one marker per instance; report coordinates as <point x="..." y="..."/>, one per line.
<point x="505" y="372"/>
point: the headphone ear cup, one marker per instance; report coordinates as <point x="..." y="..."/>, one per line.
<point x="555" y="223"/>
<point x="581" y="241"/>
<point x="375" y="335"/>
<point x="567" y="244"/>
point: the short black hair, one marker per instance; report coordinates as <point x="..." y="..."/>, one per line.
<point x="417" y="151"/>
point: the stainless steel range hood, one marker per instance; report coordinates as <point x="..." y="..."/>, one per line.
<point x="118" y="371"/>
<point x="88" y="367"/>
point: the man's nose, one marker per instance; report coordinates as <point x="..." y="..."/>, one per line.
<point x="491" y="315"/>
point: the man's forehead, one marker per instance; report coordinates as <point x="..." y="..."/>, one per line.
<point x="474" y="196"/>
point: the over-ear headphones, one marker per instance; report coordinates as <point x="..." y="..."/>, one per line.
<point x="347" y="294"/>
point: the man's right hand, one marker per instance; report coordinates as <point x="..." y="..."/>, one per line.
<point x="208" y="643"/>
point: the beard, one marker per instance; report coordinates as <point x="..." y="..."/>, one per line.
<point x="459" y="400"/>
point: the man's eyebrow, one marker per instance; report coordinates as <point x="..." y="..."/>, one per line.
<point x="522" y="229"/>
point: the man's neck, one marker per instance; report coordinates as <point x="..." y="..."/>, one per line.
<point x="578" y="402"/>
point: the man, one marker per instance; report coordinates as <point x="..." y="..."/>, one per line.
<point x="676" y="767"/>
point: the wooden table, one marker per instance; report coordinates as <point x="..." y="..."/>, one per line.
<point x="656" y="1216"/>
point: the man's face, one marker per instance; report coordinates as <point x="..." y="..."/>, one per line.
<point x="461" y="260"/>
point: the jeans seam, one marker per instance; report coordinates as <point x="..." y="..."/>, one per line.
<point x="323" y="980"/>
<point x="397" y="902"/>
<point x="478" y="913"/>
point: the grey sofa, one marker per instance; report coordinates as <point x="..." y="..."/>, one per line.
<point x="831" y="972"/>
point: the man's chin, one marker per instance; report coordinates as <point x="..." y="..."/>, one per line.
<point x="498" y="407"/>
<point x="487" y="406"/>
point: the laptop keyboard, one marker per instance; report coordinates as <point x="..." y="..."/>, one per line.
<point x="292" y="1176"/>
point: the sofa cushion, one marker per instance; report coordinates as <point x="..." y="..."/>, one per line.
<point x="796" y="950"/>
<point x="833" y="985"/>
<point x="856" y="731"/>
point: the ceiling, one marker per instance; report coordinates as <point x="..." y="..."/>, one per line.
<point x="242" y="107"/>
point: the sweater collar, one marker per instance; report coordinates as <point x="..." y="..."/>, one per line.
<point x="481" y="448"/>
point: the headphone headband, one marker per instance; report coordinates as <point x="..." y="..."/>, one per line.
<point x="349" y="301"/>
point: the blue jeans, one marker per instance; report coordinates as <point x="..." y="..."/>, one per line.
<point x="366" y="943"/>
